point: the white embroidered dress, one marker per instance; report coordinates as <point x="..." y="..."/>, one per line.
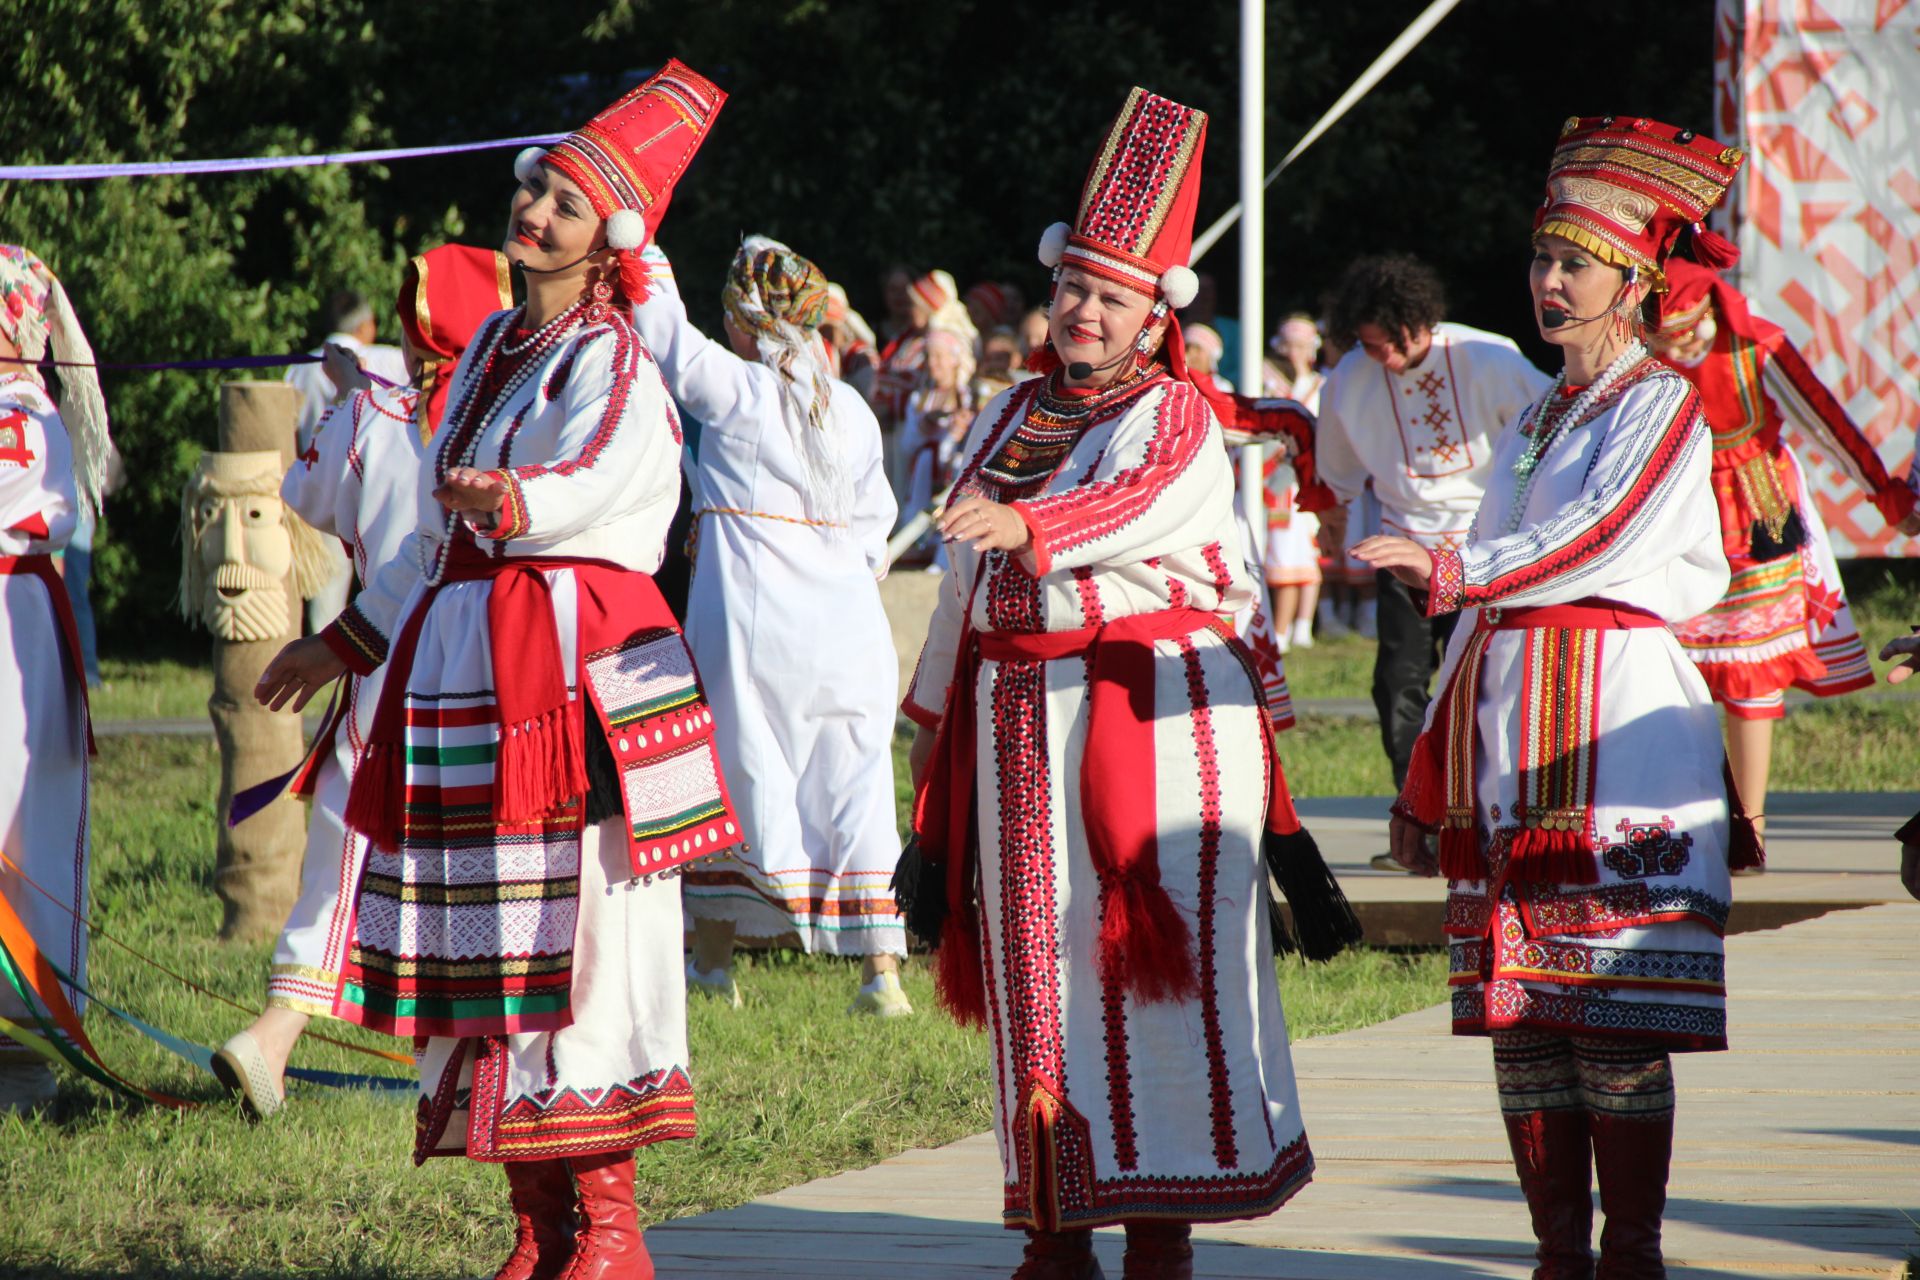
<point x="1106" y="1108"/>
<point x="358" y="480"/>
<point x="1424" y="435"/>
<point x="794" y="650"/>
<point x="581" y="428"/>
<point x="1620" y="510"/>
<point x="43" y="723"/>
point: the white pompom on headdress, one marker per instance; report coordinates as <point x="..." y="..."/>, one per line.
<point x="527" y="161"/>
<point x="1179" y="286"/>
<point x="1053" y="244"/>
<point x="626" y="231"/>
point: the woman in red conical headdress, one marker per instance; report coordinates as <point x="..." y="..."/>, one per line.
<point x="1783" y="621"/>
<point x="540" y="765"/>
<point x="358" y="481"/>
<point x="1096" y="783"/>
<point x="1571" y="764"/>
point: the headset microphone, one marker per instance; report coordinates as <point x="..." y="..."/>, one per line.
<point x="1080" y="369"/>
<point x="547" y="271"/>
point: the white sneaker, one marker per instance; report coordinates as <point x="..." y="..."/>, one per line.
<point x="26" y="1086"/>
<point x="882" y="998"/>
<point x="243" y="1069"/>
<point x="1303" y="634"/>
<point x="715" y="986"/>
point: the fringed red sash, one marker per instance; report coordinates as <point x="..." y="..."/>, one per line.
<point x="1560" y="719"/>
<point x="1144" y="940"/>
<point x="541" y="765"/>
<point x="41" y="567"/>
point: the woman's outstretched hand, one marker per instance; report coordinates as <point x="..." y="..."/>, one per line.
<point x="989" y="526"/>
<point x="1907" y="647"/>
<point x="1402" y="557"/>
<point x="297" y="672"/>
<point x="478" y="495"/>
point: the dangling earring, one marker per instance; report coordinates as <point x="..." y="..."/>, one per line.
<point x="600" y="299"/>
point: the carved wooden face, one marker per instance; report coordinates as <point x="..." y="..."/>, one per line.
<point x="239" y="549"/>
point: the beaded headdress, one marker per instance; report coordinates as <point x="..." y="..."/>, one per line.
<point x="1624" y="188"/>
<point x="628" y="158"/>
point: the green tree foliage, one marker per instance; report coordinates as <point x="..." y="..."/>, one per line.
<point x="864" y="132"/>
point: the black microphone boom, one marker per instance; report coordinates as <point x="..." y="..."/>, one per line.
<point x="1079" y="369"/>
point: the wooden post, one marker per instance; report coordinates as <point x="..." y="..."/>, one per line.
<point x="257" y="865"/>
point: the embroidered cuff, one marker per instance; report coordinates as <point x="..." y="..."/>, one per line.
<point x="511" y="520"/>
<point x="1042" y="553"/>
<point x="1447" y="588"/>
<point x="355" y="641"/>
<point x="926" y="719"/>
<point x="1896" y="502"/>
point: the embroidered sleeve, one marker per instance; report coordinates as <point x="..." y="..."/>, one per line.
<point x="1289" y="424"/>
<point x="1163" y="470"/>
<point x="616" y="445"/>
<point x="38" y="504"/>
<point x="1806" y="403"/>
<point x="355" y="640"/>
<point x="926" y="699"/>
<point x="314" y="483"/>
<point x="1645" y="487"/>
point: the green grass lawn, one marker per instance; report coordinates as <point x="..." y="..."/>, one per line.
<point x="790" y="1088"/>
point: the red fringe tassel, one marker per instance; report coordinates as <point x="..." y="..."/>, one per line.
<point x="1423" y="795"/>
<point x="1460" y="857"/>
<point x="958" y="977"/>
<point x="376" y="804"/>
<point x="541" y="767"/>
<point x="1552" y="857"/>
<point x="1145" y="942"/>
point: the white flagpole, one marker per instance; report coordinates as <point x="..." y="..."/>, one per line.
<point x="1253" y="59"/>
<point x="1386" y="62"/>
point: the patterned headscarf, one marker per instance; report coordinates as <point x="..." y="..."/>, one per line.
<point x="779" y="298"/>
<point x="36" y="317"/>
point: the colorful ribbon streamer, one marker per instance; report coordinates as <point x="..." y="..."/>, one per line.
<point x="250" y="164"/>
<point x="222" y="362"/>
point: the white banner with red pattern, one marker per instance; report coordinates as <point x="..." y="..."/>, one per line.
<point x="1825" y="97"/>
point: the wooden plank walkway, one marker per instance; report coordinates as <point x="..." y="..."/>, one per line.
<point x="1796" y="1155"/>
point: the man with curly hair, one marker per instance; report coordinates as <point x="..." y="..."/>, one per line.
<point x="1413" y="406"/>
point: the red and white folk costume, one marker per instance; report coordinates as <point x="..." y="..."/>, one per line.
<point x="52" y="462"/>
<point x="540" y="765"/>
<point x="1572" y="763"/>
<point x="1102" y="770"/>
<point x="359" y="481"/>
<point x="1783" y="620"/>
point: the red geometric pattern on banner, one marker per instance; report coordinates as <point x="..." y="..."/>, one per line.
<point x="1825" y="96"/>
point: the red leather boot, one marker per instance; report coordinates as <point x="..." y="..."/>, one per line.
<point x="1059" y="1255"/>
<point x="542" y="1196"/>
<point x="1551" y="1155"/>
<point x="608" y="1244"/>
<point x="1631" y="1157"/>
<point x="1159" y="1251"/>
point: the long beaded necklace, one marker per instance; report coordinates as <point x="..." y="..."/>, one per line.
<point x="1543" y="431"/>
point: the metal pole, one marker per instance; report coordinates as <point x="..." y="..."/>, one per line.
<point x="1253" y="58"/>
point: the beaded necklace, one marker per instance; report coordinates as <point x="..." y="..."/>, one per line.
<point x="1555" y="411"/>
<point x="509" y="366"/>
<point x="1052" y="425"/>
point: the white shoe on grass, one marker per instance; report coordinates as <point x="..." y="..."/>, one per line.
<point x="718" y="985"/>
<point x="243" y="1069"/>
<point x="882" y="998"/>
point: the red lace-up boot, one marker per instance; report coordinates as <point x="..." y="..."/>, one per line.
<point x="542" y="1196"/>
<point x="1159" y="1251"/>
<point x="1059" y="1255"/>
<point x="1552" y="1156"/>
<point x="1631" y="1157"/>
<point x="608" y="1244"/>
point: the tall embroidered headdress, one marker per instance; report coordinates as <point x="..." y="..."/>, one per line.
<point x="1626" y="188"/>
<point x="37" y="318"/>
<point x="628" y="158"/>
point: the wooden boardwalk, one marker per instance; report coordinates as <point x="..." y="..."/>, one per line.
<point x="1797" y="1152"/>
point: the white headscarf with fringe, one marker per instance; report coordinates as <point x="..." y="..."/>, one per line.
<point x="780" y="298"/>
<point x="36" y="317"/>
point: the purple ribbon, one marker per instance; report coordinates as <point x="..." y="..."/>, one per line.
<point x="152" y="168"/>
<point x="224" y="362"/>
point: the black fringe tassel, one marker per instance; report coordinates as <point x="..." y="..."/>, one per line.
<point x="921" y="893"/>
<point x="1793" y="536"/>
<point x="1323" y="921"/>
<point x="604" y="787"/>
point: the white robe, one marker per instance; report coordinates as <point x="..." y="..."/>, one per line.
<point x="357" y="481"/>
<point x="1620" y="509"/>
<point x="794" y="650"/>
<point x="1107" y="1108"/>
<point x="1423" y="435"/>
<point x="43" y="728"/>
